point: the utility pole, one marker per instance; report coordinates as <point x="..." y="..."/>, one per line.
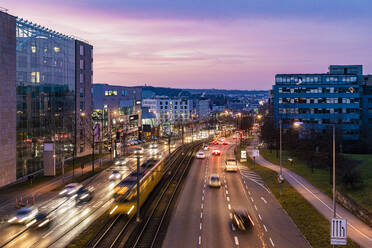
<point x="94" y="129"/>
<point x="63" y="150"/>
<point x="138" y="219"/>
<point x="280" y="151"/>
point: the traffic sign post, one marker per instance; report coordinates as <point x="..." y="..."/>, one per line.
<point x="243" y="156"/>
<point x="338" y="231"/>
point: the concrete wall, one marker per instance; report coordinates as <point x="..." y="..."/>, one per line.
<point x="7" y="99"/>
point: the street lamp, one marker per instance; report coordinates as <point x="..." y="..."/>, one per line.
<point x="280" y="153"/>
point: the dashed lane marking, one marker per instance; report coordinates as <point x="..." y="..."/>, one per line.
<point x="201" y="215"/>
<point x="236" y="240"/>
<point x="229" y="206"/>
<point x="202" y="205"/>
<point x="199" y="240"/>
<point x="200" y="226"/>
<point x="255" y="207"/>
<point x="252" y="199"/>
<point x="272" y="243"/>
<point x="265" y="227"/>
<point x="259" y="216"/>
<point x="228" y="199"/>
<point x="263" y="200"/>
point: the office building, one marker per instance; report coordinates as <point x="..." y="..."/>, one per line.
<point x="38" y="75"/>
<point x="170" y="111"/>
<point x="117" y="109"/>
<point x="318" y="100"/>
<point x="202" y="109"/>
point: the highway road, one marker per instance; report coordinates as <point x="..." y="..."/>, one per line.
<point x="202" y="217"/>
<point x="68" y="218"/>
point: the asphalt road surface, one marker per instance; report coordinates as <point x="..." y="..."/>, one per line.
<point x="203" y="215"/>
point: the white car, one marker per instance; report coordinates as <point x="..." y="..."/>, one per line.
<point x="24" y="215"/>
<point x="70" y="189"/>
<point x="115" y="175"/>
<point x="120" y="161"/>
<point x="214" y="181"/>
<point x="200" y="155"/>
<point x="231" y="165"/>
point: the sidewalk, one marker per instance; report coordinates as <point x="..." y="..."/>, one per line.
<point x="30" y="192"/>
<point x="358" y="231"/>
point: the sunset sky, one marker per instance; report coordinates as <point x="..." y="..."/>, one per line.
<point x="232" y="44"/>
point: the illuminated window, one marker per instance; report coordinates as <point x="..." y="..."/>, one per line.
<point x="111" y="92"/>
<point x="35" y="77"/>
<point x="33" y="49"/>
<point x="56" y="49"/>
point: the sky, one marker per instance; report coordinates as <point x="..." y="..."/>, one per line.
<point x="223" y="44"/>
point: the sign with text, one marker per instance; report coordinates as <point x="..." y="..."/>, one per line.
<point x="243" y="156"/>
<point x="338" y="231"/>
<point x="256" y="153"/>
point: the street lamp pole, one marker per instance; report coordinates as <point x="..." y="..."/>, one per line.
<point x="280" y="152"/>
<point x="334" y="169"/>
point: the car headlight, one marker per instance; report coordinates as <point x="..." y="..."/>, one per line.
<point x="84" y="196"/>
<point x="12" y="219"/>
<point x="62" y="192"/>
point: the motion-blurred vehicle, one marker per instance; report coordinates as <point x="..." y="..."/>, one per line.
<point x="139" y="150"/>
<point x="70" y="189"/>
<point x="24" y="215"/>
<point x="231" y="165"/>
<point x="225" y="143"/>
<point x="120" y="161"/>
<point x="205" y="148"/>
<point x="241" y="219"/>
<point x="42" y="220"/>
<point x="153" y="145"/>
<point x="115" y="175"/>
<point x="214" y="181"/>
<point x="200" y="155"/>
<point x="84" y="194"/>
<point x="216" y="152"/>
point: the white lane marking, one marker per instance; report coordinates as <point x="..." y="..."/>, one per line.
<point x="228" y="199"/>
<point x="46" y="235"/>
<point x="203" y="198"/>
<point x="249" y="192"/>
<point x="255" y="207"/>
<point x="227" y="192"/>
<point x="233" y="227"/>
<point x="202" y="206"/>
<point x="231" y="216"/>
<point x="201" y="215"/>
<point x="265" y="227"/>
<point x="229" y="206"/>
<point x="252" y="199"/>
<point x="272" y="243"/>
<point x="200" y="226"/>
<point x="203" y="191"/>
<point x="259" y="216"/>
<point x="328" y="206"/>
<point x="246" y="187"/>
<point x="199" y="240"/>
<point x="263" y="199"/>
<point x="236" y="240"/>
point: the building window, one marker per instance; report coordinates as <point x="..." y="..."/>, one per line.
<point x="35" y="77"/>
<point x="82" y="106"/>
<point x="81" y="64"/>
<point x="56" y="49"/>
<point x="81" y="50"/>
<point x="33" y="49"/>
<point x="124" y="92"/>
<point x="81" y="92"/>
<point x="111" y="92"/>
<point x="81" y="78"/>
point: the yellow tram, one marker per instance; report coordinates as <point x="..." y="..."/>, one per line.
<point x="125" y="193"/>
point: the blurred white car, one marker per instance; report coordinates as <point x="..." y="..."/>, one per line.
<point x="115" y="175"/>
<point x="214" y="181"/>
<point x="24" y="215"/>
<point x="70" y="189"/>
<point x="200" y="155"/>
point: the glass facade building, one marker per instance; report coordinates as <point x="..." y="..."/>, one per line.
<point x="318" y="100"/>
<point x="45" y="92"/>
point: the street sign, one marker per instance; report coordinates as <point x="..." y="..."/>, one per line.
<point x="243" y="154"/>
<point x="255" y="153"/>
<point x="338" y="231"/>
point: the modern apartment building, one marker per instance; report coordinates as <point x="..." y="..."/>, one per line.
<point x="38" y="99"/>
<point x="202" y="109"/>
<point x="319" y="100"/>
<point x="170" y="111"/>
